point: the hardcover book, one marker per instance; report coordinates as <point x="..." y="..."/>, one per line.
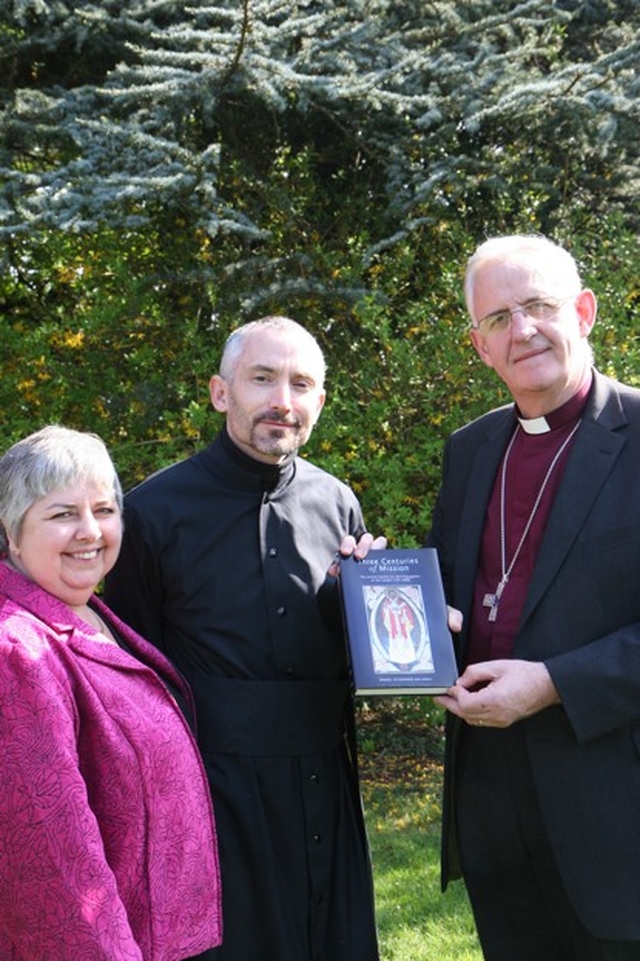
<point x="396" y="621"/>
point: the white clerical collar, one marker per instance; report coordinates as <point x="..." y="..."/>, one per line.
<point x="534" y="425"/>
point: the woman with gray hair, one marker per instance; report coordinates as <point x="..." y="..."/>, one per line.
<point x="107" y="836"/>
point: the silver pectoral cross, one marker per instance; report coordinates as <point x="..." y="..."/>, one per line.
<point x="493" y="600"/>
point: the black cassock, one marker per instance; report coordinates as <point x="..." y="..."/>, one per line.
<point x="224" y="567"/>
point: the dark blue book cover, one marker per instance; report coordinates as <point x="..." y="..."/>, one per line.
<point x="396" y="621"/>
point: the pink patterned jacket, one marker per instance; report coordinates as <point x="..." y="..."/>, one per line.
<point x="108" y="849"/>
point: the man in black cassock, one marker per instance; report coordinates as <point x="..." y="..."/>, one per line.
<point x="228" y="567"/>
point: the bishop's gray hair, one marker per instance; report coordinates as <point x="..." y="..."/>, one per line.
<point x="523" y="248"/>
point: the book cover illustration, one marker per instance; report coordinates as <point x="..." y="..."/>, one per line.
<point x="398" y="626"/>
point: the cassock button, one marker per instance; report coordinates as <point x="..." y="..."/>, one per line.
<point x="281" y="611"/>
<point x="317" y="838"/>
<point x="273" y="551"/>
<point x="314" y="778"/>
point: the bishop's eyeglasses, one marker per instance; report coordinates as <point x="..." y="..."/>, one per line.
<point x="536" y="309"/>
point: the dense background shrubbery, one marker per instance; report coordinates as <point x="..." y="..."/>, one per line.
<point x="168" y="172"/>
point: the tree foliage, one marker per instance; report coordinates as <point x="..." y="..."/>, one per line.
<point x="170" y="170"/>
<point x="415" y="106"/>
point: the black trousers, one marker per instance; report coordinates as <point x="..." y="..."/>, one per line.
<point x="521" y="908"/>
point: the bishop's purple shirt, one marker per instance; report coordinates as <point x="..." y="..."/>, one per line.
<point x="529" y="460"/>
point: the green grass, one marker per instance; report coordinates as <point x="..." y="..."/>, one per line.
<point x="401" y="759"/>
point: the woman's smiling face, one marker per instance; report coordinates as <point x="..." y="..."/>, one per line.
<point x="69" y="540"/>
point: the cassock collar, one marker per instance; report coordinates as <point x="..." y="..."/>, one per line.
<point x="255" y="473"/>
<point x="568" y="412"/>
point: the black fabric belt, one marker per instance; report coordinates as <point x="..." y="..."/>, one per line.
<point x="269" y="718"/>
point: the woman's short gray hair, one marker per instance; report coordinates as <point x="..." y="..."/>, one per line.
<point x="54" y="458"/>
